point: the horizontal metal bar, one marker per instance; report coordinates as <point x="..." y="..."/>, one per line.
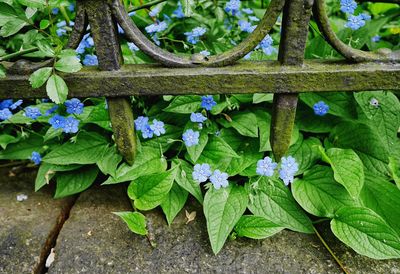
<point x="244" y="77"/>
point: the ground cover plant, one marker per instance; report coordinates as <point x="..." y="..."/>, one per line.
<point x="343" y="165"/>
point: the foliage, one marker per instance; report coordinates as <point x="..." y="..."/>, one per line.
<point x="343" y="163"/>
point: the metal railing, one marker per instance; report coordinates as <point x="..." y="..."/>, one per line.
<point x="223" y="73"/>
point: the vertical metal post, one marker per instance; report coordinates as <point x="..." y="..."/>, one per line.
<point x="296" y="16"/>
<point x="104" y="31"/>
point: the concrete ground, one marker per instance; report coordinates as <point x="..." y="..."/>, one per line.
<point x="83" y="236"/>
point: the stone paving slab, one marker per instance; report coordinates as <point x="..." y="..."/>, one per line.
<point x="25" y="226"/>
<point x="95" y="241"/>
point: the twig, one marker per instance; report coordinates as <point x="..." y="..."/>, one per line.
<point x="147" y="5"/>
<point x="18" y="53"/>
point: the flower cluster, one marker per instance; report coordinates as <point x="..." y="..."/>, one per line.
<point x="193" y="36"/>
<point x="36" y="157"/>
<point x="233" y="7"/>
<point x="288" y="168"/>
<point x="202" y="172"/>
<point x="6" y="107"/>
<point x="353" y="21"/>
<point x="149" y="130"/>
<point x="67" y="124"/>
<point x="320" y="108"/>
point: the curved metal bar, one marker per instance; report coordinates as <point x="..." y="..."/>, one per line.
<point x="80" y="26"/>
<point x="134" y="34"/>
<point x="321" y="17"/>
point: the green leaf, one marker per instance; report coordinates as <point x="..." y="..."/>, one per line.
<point x="3" y="71"/>
<point x="216" y="151"/>
<point x="394" y="167"/>
<point x="223" y="209"/>
<point x="57" y="89"/>
<point x="109" y="162"/>
<point x="149" y="191"/>
<point x="6" y="139"/>
<point x="245" y="123"/>
<point x="262" y="97"/>
<point x="76" y="181"/>
<point x="68" y="64"/>
<point x="319" y="194"/>
<point x="306" y="153"/>
<point x="347" y="167"/>
<point x="47" y="171"/>
<point x="39" y="77"/>
<point x="185" y="180"/>
<point x="366" y="232"/>
<point x="30" y="12"/>
<point x="383" y="197"/>
<point x="184" y="104"/>
<point x="264" y="124"/>
<point x="88" y="149"/>
<point x="366" y="142"/>
<point x="40" y="4"/>
<point x="273" y="201"/>
<point x="188" y="6"/>
<point x="7" y="13"/>
<point x="44" y="23"/>
<point x="174" y="202"/>
<point x="384" y="118"/>
<point x="23" y="149"/>
<point x="148" y="161"/>
<point x="256" y="227"/>
<point x="248" y="155"/>
<point x="195" y="151"/>
<point x="136" y="221"/>
<point x="52" y="133"/>
<point x="12" y="27"/>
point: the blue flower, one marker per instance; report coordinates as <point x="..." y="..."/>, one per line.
<point x="248" y="55"/>
<point x="348" y="6"/>
<point x="6" y="103"/>
<point x="71" y="7"/>
<point x="16" y="104"/>
<point x="376" y="38"/>
<point x="207" y="102"/>
<point x="132" y="13"/>
<point x="32" y="112"/>
<point x="320" y="108"/>
<point x="71" y="125"/>
<point x="60" y="30"/>
<point x="74" y="106"/>
<point x="197" y="117"/>
<point x="355" y="22"/>
<point x="5" y="114"/>
<point x="157" y="127"/>
<point x="365" y="16"/>
<point x="147" y="132"/>
<point x="156" y="27"/>
<point x="190" y="137"/>
<point x="141" y="122"/>
<point x="132" y="46"/>
<point x="233" y="7"/>
<point x="36" y="158"/>
<point x="55" y="11"/>
<point x="266" y="167"/>
<point x="51" y="110"/>
<point x="246" y="26"/>
<point x="288" y="169"/>
<point x="248" y="11"/>
<point x="90" y="60"/>
<point x="266" y="45"/>
<point x="154" y="12"/>
<point x="194" y="36"/>
<point x="57" y="121"/>
<point x="201" y="172"/>
<point x="120" y="29"/>
<point x="254" y="18"/>
<point x="178" y="13"/>
<point x="219" y="179"/>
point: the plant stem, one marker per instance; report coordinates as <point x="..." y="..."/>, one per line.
<point x="18" y="53"/>
<point x="19" y="163"/>
<point x="147" y="5"/>
<point x="330" y="251"/>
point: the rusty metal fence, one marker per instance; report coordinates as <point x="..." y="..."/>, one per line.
<point x="222" y="73"/>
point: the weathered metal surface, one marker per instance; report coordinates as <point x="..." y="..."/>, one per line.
<point x="296" y="16"/>
<point x="243" y="77"/>
<point x="104" y="31"/>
